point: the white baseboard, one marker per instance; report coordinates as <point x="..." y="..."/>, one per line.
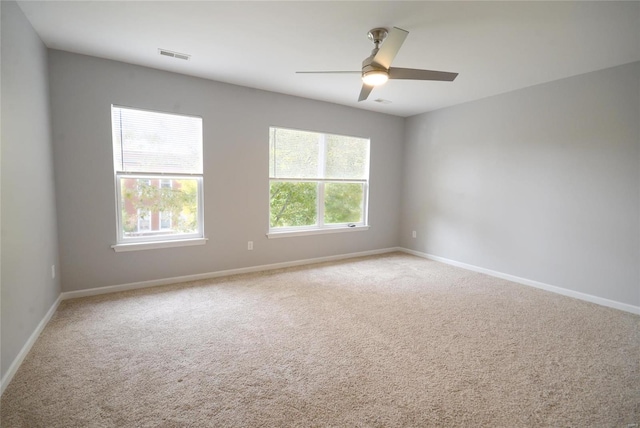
<point x="178" y="279"/>
<point x="13" y="368"/>
<point x="524" y="281"/>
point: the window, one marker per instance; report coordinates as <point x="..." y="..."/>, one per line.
<point x="165" y="220"/>
<point x="317" y="181"/>
<point x="158" y="173"/>
<point x="144" y="220"/>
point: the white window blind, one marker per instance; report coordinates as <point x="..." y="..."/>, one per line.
<point x="311" y="155"/>
<point x="152" y="142"/>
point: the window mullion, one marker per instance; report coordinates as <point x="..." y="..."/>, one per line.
<point x="326" y="180"/>
<point x="320" y="203"/>
<point x="158" y="175"/>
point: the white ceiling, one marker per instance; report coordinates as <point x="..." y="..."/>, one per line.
<point x="495" y="46"/>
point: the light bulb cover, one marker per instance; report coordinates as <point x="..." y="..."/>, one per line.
<point x="375" y="77"/>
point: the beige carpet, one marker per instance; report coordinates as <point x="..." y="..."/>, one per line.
<point x="384" y="341"/>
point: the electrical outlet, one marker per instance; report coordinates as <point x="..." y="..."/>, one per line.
<point x="414" y="234"/>
<point x="53" y="271"/>
<point x="250" y="245"/>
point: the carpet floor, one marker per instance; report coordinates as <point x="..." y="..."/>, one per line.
<point x="384" y="341"/>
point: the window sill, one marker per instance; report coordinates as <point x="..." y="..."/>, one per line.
<point x="289" y="234"/>
<point x="138" y="246"/>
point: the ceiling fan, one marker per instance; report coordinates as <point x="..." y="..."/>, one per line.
<point x="376" y="69"/>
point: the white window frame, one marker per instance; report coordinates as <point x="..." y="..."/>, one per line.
<point x="160" y="241"/>
<point x="320" y="227"/>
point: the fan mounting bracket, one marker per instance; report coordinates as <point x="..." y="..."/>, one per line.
<point x="377" y="35"/>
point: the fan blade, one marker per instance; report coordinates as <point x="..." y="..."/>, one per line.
<point x="328" y="72"/>
<point x="364" y="93"/>
<point x="415" y="74"/>
<point x="390" y="47"/>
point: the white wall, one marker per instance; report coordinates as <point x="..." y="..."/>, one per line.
<point x="29" y="239"/>
<point x="541" y="183"/>
<point x="236" y="122"/>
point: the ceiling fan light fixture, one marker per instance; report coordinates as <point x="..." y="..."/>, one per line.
<point x="375" y="77"/>
<point x="376" y="68"/>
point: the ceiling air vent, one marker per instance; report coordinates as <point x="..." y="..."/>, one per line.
<point x="172" y="54"/>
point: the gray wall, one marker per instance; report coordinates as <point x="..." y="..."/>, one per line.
<point x="541" y="183"/>
<point x="29" y="242"/>
<point x="236" y="123"/>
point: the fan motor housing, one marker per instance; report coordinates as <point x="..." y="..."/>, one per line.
<point x="369" y="65"/>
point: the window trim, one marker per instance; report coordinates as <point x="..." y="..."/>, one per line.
<point x="291" y="232"/>
<point x="161" y="241"/>
<point x="137" y="246"/>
